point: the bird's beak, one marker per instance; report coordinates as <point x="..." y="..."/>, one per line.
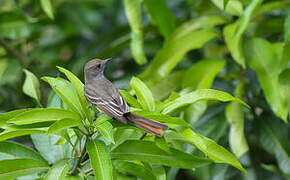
<point x="106" y="60"/>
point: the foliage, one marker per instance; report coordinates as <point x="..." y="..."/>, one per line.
<point x="176" y="59"/>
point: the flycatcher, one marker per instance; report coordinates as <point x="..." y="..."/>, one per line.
<point x="100" y="92"/>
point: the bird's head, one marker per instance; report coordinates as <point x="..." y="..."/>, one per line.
<point x="95" y="68"/>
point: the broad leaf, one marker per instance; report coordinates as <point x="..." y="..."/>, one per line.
<point x="4" y="117"/>
<point x="31" y="86"/>
<point x="79" y="86"/>
<point x="106" y="130"/>
<point x="16" y="133"/>
<point x="130" y="99"/>
<point x="67" y="93"/>
<point x="147" y="151"/>
<point x="214" y="151"/>
<point x="202" y="74"/>
<point x="63" y="124"/>
<point x="59" y="170"/>
<point x="15" y="150"/>
<point x="200" y="94"/>
<point x="262" y="58"/>
<point x="185" y="38"/>
<point x="275" y="142"/>
<point x="143" y="94"/>
<point x="134" y="16"/>
<point x="235" y="116"/>
<point x="100" y="159"/>
<point x="12" y="168"/>
<point x="42" y="115"/>
<point x="47" y="148"/>
<point x="161" y="16"/>
<point x="134" y="169"/>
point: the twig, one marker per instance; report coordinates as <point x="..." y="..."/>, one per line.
<point x="87" y="172"/>
<point x="143" y="136"/>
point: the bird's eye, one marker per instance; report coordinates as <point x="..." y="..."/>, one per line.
<point x="99" y="66"/>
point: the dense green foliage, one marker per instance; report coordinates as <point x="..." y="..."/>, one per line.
<point x="177" y="60"/>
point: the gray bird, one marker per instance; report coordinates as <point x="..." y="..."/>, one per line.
<point x="100" y="92"/>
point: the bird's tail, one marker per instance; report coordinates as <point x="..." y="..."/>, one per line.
<point x="148" y="125"/>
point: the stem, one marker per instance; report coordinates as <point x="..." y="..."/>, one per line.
<point x="143" y="136"/>
<point x="77" y="162"/>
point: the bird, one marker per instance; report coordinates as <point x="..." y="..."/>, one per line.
<point x="102" y="93"/>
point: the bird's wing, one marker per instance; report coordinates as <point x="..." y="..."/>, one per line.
<point x="113" y="105"/>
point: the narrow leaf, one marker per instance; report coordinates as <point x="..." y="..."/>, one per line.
<point x="106" y="130"/>
<point x="214" y="151"/>
<point x="200" y="94"/>
<point x="204" y="73"/>
<point x="62" y="124"/>
<point x="31" y="86"/>
<point x="134" y="169"/>
<point x="133" y="13"/>
<point x="59" y="170"/>
<point x="67" y="93"/>
<point x="262" y="58"/>
<point x="143" y="94"/>
<point x="235" y="116"/>
<point x="16" y="133"/>
<point x="42" y="115"/>
<point x="147" y="151"/>
<point x="100" y="160"/>
<point x="130" y="99"/>
<point x="12" y="168"/>
<point x="161" y="16"/>
<point x="16" y="150"/>
<point x="47" y="8"/>
<point x="78" y="85"/>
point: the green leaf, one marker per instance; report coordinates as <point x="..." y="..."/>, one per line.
<point x="270" y="6"/>
<point x="287" y="29"/>
<point x="162" y="118"/>
<point x="284" y="82"/>
<point x="235" y="116"/>
<point x="186" y="37"/>
<point x="4" y="117"/>
<point x="161" y="16"/>
<point x="3" y="66"/>
<point x="63" y="124"/>
<point x="31" y="86"/>
<point x="102" y="118"/>
<point x="171" y="83"/>
<point x="234" y="43"/>
<point x="200" y="94"/>
<point x="234" y="7"/>
<point x="16" y="133"/>
<point x="147" y="151"/>
<point x="100" y="159"/>
<point x="16" y="150"/>
<point x="47" y="8"/>
<point x="134" y="169"/>
<point x="79" y="87"/>
<point x="159" y="172"/>
<point x="130" y="99"/>
<point x="12" y="168"/>
<point x="262" y="58"/>
<point x="244" y="21"/>
<point x="204" y="73"/>
<point x="41" y="115"/>
<point x="275" y="142"/>
<point x="214" y="151"/>
<point x="59" y="170"/>
<point x="67" y="93"/>
<point x="143" y="94"/>
<point x="45" y="145"/>
<point x="123" y="134"/>
<point x="106" y="130"/>
<point x="133" y="13"/>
